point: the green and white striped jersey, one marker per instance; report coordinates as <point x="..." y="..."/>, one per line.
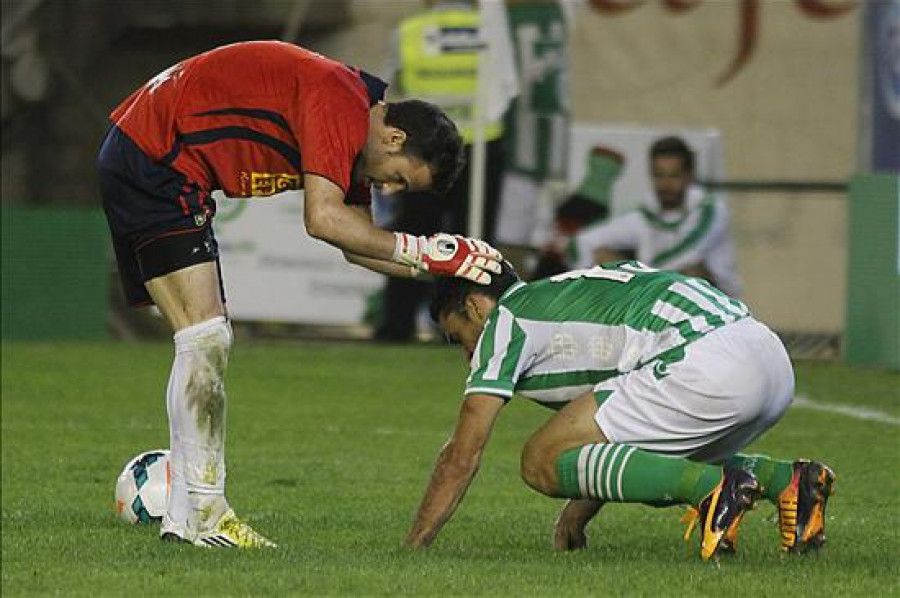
<point x="554" y="339"/>
<point x="536" y="127"/>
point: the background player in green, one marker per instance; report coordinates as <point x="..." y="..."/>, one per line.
<point x="536" y="127"/>
<point x="680" y="227"/>
<point x="660" y="379"/>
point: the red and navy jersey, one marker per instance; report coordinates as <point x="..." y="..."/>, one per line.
<point x="251" y="118"/>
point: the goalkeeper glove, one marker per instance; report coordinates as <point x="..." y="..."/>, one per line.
<point x="448" y="255"/>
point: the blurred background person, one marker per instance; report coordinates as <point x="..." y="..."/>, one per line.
<point x="681" y="226"/>
<point x="537" y="129"/>
<point x="435" y="57"/>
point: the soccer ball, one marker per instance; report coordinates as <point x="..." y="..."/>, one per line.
<point x="142" y="488"/>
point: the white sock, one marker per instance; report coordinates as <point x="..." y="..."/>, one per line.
<point x="177" y="507"/>
<point x="196" y="406"/>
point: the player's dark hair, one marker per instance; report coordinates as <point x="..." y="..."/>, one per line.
<point x="673" y="146"/>
<point x="430" y="137"/>
<point x="450" y="294"/>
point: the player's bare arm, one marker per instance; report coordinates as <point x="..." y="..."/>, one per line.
<point x="388" y="268"/>
<point x="455" y="468"/>
<point x="327" y="218"/>
<point x="568" y="533"/>
<point x="382" y="267"/>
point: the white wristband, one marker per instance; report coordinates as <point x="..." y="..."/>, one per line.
<point x="408" y="249"/>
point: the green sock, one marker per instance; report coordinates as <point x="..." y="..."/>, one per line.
<point x="622" y="473"/>
<point x="773" y="474"/>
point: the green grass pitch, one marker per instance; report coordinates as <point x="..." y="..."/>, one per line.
<point x="329" y="450"/>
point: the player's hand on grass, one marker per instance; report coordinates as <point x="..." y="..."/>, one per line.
<point x="416" y="540"/>
<point x="449" y="255"/>
<point x="411" y="545"/>
<point x="569" y="531"/>
<point x="569" y="535"/>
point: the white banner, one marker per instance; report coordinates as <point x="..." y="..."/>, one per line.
<point x="275" y="272"/>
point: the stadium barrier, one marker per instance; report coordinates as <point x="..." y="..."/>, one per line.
<point x="872" y="335"/>
<point x="54" y="273"/>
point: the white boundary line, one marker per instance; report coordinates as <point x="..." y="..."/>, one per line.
<point x="847" y="410"/>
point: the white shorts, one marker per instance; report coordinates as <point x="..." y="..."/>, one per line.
<point x="732" y="385"/>
<point x="525" y="215"/>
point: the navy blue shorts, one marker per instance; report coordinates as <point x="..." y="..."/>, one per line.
<point x="159" y="222"/>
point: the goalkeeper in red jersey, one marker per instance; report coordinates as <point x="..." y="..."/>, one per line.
<point x="253" y="119"/>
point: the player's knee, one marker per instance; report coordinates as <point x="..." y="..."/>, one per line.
<point x="538" y="468"/>
<point x="216" y="331"/>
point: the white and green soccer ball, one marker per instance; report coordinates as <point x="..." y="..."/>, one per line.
<point x="142" y="488"/>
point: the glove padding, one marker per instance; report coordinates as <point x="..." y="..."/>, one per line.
<point x="455" y="255"/>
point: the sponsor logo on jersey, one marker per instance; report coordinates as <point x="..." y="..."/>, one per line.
<point x="660" y="369"/>
<point x="267" y="183"/>
<point x="564" y="346"/>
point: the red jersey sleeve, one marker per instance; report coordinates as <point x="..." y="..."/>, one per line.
<point x="332" y="127"/>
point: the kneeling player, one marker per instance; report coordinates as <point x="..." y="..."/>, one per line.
<point x="659" y="379"/>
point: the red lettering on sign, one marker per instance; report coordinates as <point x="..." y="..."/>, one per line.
<point x="748" y="21"/>
<point x="614" y="7"/>
<point x="749" y="29"/>
<point x="677" y="6"/>
<point x="820" y="9"/>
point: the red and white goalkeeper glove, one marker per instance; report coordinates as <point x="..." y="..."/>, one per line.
<point x="448" y="255"/>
